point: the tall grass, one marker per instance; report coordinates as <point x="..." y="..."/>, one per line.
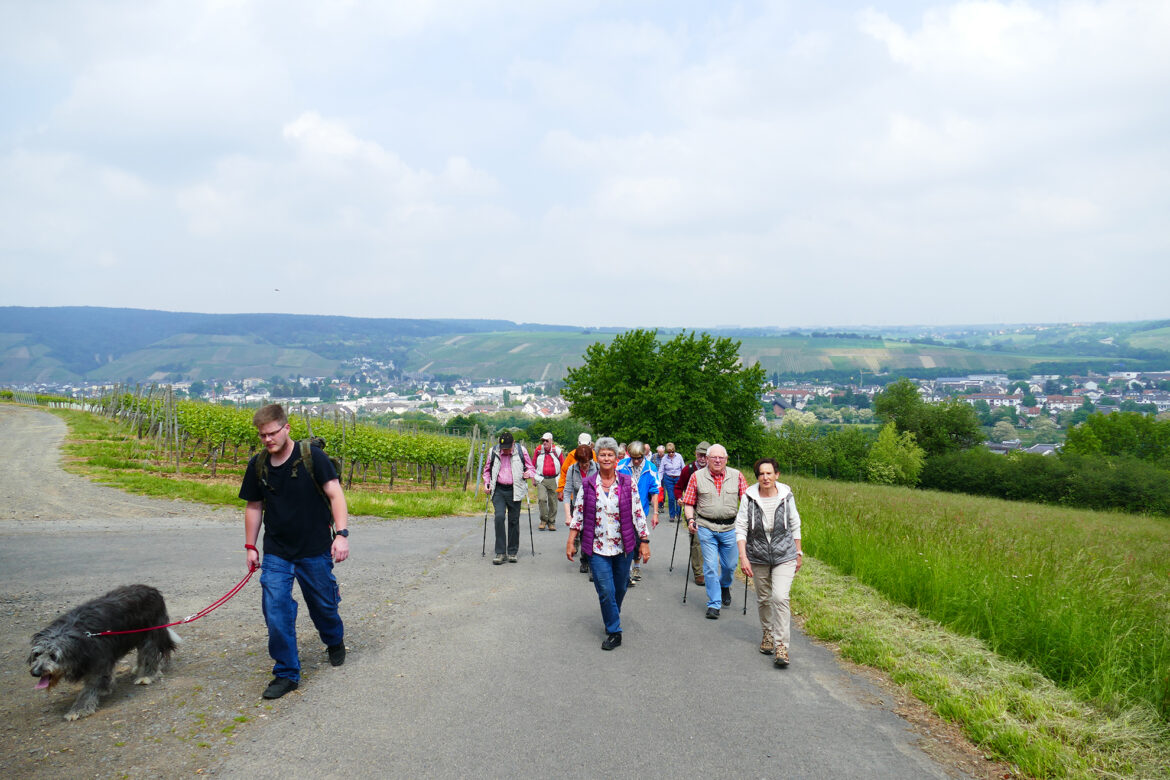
<point x="1084" y="597"/>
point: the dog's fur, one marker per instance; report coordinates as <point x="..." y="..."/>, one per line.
<point x="62" y="650"/>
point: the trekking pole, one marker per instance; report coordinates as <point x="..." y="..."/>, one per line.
<point x="672" y="549"/>
<point x="745" y="582"/>
<point x="528" y="501"/>
<point x="686" y="576"/>
<point x="486" y="507"/>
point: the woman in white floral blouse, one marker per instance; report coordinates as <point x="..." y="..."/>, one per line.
<point x="608" y="517"/>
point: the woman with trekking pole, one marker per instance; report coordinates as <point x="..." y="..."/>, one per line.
<point x="608" y="517"/>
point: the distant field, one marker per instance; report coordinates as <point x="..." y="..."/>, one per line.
<point x="220" y="357"/>
<point x="1151" y="339"/>
<point x="521" y="355"/>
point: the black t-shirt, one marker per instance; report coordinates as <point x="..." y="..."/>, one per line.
<point x="296" y="518"/>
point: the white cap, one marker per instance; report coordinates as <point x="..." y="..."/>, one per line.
<point x="547" y="435"/>
<point x="584" y="439"/>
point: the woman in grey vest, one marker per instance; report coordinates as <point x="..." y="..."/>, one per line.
<point x="767" y="530"/>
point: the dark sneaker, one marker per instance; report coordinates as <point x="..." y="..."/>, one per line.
<point x="336" y="654"/>
<point x="612" y="641"/>
<point x="497" y="560"/>
<point x="511" y="559"/>
<point x="712" y="613"/>
<point x="726" y="597"/>
<point x="584" y="565"/>
<point x="279" y="687"/>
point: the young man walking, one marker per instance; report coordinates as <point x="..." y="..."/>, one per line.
<point x="305" y="518"/>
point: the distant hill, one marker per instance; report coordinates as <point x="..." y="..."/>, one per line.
<point x="77" y="344"/>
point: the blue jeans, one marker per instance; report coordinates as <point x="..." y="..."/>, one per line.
<point x="321" y="594"/>
<point x="719" y="550"/>
<point x="611" y="577"/>
<point x="668" y="483"/>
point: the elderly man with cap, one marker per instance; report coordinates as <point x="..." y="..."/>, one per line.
<point x="548" y="461"/>
<point x="680" y="489"/>
<point x="504" y="479"/>
<point x="711" y="504"/>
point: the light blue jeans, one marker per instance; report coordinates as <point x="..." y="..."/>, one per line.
<point x="611" y="576"/>
<point x="720" y="555"/>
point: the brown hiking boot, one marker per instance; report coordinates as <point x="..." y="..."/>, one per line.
<point x="699" y="580"/>
<point x="781" y="659"/>
<point x="767" y="646"/>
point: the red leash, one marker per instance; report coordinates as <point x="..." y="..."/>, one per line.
<point x="201" y="613"/>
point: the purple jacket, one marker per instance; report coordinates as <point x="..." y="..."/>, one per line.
<point x="625" y="515"/>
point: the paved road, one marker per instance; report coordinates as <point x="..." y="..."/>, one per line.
<point x="458" y="667"/>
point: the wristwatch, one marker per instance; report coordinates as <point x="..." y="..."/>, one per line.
<point x="343" y="532"/>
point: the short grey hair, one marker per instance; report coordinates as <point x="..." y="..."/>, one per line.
<point x="635" y="449"/>
<point x="606" y="443"/>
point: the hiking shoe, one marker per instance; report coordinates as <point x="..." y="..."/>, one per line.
<point x="612" y="641"/>
<point x="511" y="559"/>
<point x="336" y="654"/>
<point x="552" y="526"/>
<point x="726" y="596"/>
<point x="630" y="583"/>
<point x="279" y="687"/>
<point x="712" y="613"/>
<point x="636" y="575"/>
<point x="498" y="560"/>
<point x="699" y="580"/>
<point x="767" y="646"/>
<point x="781" y="659"/>
<point x="541" y="527"/>
<point x="584" y="565"/>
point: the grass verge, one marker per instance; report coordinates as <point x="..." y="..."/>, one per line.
<point x="1006" y="707"/>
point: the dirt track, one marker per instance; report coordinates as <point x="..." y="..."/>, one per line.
<point x="456" y="667"/>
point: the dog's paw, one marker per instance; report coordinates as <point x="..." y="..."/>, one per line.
<point x="144" y="680"/>
<point x="81" y="713"/>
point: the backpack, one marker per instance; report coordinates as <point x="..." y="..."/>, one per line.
<point x="496" y="453"/>
<point x="305" y="458"/>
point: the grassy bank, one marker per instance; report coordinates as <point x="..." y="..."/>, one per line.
<point x="103" y="451"/>
<point x="1081" y="597"/>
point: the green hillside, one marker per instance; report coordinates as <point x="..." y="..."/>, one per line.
<point x="529" y="356"/>
<point x="200" y="356"/>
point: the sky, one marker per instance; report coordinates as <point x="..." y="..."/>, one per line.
<point x="671" y="163"/>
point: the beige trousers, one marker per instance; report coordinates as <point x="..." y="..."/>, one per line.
<point x="773" y="584"/>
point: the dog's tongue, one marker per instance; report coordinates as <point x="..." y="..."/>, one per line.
<point x="44" y="682"/>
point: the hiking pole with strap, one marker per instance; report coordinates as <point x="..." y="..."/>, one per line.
<point x="672" y="549"/>
<point x="745" y="582"/>
<point x="686" y="579"/>
<point x="528" y="500"/>
<point x="486" y="508"/>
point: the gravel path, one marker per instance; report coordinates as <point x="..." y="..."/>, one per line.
<point x="456" y="667"/>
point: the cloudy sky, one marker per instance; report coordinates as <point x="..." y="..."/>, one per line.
<point x="655" y="163"/>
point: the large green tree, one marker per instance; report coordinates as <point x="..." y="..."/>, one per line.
<point x="937" y="428"/>
<point x="684" y="390"/>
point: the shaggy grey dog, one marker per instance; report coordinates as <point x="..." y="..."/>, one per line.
<point x="64" y="649"/>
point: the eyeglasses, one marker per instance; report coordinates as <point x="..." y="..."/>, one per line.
<point x="270" y="434"/>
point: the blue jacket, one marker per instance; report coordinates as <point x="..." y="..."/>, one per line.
<point x="648" y="484"/>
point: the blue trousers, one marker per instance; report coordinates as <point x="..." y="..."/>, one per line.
<point x="720" y="555"/>
<point x="672" y="502"/>
<point x="321" y="594"/>
<point x="611" y="578"/>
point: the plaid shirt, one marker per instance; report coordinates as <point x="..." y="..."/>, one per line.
<point x="691" y="497"/>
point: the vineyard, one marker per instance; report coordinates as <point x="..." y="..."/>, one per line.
<point x="190" y="438"/>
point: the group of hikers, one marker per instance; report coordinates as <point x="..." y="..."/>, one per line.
<point x="612" y="494"/>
